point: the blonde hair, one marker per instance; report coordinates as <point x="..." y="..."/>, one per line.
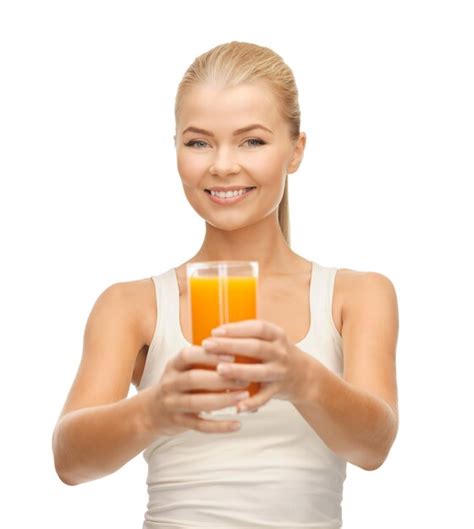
<point x="236" y="62"/>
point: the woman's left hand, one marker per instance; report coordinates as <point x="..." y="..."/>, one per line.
<point x="281" y="368"/>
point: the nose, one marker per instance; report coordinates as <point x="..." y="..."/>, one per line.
<point x="224" y="163"/>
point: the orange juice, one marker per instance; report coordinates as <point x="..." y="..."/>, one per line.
<point x="218" y="300"/>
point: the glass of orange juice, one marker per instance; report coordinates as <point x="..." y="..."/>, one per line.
<point x="222" y="292"/>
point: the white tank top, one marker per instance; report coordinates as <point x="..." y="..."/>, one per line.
<point x="275" y="472"/>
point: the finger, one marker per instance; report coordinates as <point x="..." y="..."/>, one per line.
<point x="197" y="402"/>
<point x="193" y="421"/>
<point x="204" y="379"/>
<point x="265" y="330"/>
<point x="259" y="399"/>
<point x="253" y="372"/>
<point x="195" y="354"/>
<point x="251" y="347"/>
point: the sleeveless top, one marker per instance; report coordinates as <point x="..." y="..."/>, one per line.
<point x="275" y="472"/>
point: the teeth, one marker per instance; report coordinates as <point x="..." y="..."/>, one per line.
<point x="228" y="194"/>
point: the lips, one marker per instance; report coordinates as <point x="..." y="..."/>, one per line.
<point x="225" y="189"/>
<point x="230" y="200"/>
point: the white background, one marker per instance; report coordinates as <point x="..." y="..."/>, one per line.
<point x="90" y="195"/>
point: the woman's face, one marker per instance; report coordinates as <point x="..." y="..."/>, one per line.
<point x="219" y="155"/>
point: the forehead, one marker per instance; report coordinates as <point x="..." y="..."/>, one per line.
<point x="211" y="106"/>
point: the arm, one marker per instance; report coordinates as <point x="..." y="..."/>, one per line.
<point x="99" y="429"/>
<point x="93" y="442"/>
<point x="357" y="415"/>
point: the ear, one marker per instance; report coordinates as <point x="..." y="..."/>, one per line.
<point x="298" y="152"/>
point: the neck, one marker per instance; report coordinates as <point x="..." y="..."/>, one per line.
<point x="262" y="242"/>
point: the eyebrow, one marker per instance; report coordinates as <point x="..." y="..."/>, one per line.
<point x="236" y="133"/>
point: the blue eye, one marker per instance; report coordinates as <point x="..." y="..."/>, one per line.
<point x="193" y="142"/>
<point x="196" y="143"/>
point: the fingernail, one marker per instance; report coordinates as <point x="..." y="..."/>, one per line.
<point x="208" y="343"/>
<point x="218" y="332"/>
<point x="242" y="395"/>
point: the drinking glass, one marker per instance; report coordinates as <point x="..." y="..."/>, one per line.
<point x="221" y="292"/>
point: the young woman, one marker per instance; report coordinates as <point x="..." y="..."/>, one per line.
<point x="326" y="337"/>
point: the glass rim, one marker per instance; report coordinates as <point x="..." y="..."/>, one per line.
<point x="216" y="264"/>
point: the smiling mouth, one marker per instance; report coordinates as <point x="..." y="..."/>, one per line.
<point x="246" y="189"/>
<point x="232" y="199"/>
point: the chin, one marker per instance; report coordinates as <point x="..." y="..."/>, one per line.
<point x="228" y="224"/>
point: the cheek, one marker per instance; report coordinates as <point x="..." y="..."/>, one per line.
<point x="268" y="168"/>
<point x="190" y="167"/>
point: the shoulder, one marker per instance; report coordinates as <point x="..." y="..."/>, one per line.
<point x="365" y="290"/>
<point x="137" y="298"/>
<point x="356" y="279"/>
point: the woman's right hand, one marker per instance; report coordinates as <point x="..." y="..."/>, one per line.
<point x="172" y="408"/>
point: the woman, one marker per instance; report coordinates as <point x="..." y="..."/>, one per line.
<point x="326" y="337"/>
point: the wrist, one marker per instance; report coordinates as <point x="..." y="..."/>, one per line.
<point x="305" y="384"/>
<point x="148" y="413"/>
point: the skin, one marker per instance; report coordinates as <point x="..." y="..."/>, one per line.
<point x="249" y="230"/>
